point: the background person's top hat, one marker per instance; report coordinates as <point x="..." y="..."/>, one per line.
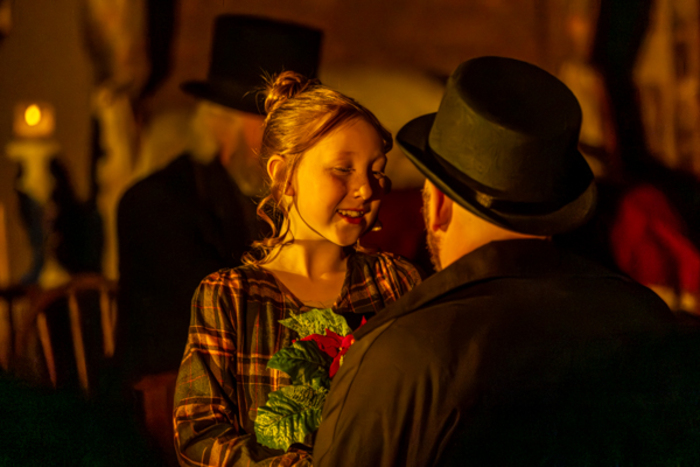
<point x="244" y="49"/>
<point x="503" y="144"/>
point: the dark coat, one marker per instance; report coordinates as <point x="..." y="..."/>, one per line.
<point x="174" y="227"/>
<point x="516" y="354"/>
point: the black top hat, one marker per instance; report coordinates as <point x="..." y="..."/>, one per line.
<point x="244" y="49"/>
<point x="503" y="144"/>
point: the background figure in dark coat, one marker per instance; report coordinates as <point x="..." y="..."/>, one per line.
<point x="515" y="352"/>
<point x="175" y="227"/>
<point x="192" y="217"/>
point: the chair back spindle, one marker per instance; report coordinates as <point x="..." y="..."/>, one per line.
<point x="72" y="292"/>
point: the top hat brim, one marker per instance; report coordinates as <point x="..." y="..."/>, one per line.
<point x="413" y="140"/>
<point x="232" y="95"/>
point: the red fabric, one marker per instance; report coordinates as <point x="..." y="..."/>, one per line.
<point x="649" y="241"/>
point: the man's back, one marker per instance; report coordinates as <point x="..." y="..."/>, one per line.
<point x="518" y="353"/>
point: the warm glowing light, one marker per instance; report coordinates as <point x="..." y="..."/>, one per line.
<point x="32" y="115"/>
<point x="33" y="119"/>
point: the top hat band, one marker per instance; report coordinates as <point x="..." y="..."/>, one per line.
<point x="485" y="200"/>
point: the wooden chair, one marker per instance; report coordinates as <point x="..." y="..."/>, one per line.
<point x="157" y="393"/>
<point x="13" y="301"/>
<point x="74" y="295"/>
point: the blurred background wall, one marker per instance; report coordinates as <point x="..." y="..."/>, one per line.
<point x="42" y="58"/>
<point x="111" y="69"/>
<point x="62" y="52"/>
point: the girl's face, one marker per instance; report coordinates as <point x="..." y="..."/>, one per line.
<point x="338" y="185"/>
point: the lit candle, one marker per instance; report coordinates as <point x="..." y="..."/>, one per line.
<point x="33" y="120"/>
<point x="32" y="115"/>
<point x="33" y="148"/>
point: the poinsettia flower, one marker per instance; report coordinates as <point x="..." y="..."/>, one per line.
<point x="338" y="359"/>
<point x="344" y="347"/>
<point x="292" y="412"/>
<point x="330" y="344"/>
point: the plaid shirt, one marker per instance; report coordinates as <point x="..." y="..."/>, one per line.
<point x="234" y="332"/>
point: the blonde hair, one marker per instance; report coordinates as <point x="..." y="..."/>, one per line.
<point x="300" y="112"/>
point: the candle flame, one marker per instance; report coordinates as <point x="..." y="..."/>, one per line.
<point x="32" y="115"/>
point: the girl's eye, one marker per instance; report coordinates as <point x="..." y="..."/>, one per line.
<point x="378" y="175"/>
<point x="344" y="170"/>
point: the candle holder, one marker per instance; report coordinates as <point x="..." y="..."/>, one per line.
<point x="34" y="150"/>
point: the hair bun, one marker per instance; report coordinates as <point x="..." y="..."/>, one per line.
<point x="285" y="86"/>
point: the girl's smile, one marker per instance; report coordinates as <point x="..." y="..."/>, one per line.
<point x="354" y="216"/>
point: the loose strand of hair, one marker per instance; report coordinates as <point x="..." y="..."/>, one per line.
<point x="262" y="249"/>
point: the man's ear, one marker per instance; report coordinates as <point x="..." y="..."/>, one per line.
<point x="277" y="170"/>
<point x="387" y="185"/>
<point x="439" y="208"/>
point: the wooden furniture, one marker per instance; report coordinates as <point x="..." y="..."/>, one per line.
<point x="85" y="296"/>
<point x="12" y="301"/>
<point x="157" y="393"/>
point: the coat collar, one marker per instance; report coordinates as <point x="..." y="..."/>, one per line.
<point x="508" y="258"/>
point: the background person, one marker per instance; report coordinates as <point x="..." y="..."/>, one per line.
<point x="196" y="215"/>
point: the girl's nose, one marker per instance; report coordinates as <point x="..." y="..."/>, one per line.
<point x="365" y="191"/>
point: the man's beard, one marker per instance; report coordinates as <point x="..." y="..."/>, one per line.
<point x="432" y="239"/>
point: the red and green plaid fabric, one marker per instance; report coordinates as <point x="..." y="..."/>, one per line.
<point x="234" y="331"/>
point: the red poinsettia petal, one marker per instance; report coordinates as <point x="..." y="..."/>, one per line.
<point x="330" y="333"/>
<point x="347" y="342"/>
<point x="338" y="360"/>
<point x="328" y="344"/>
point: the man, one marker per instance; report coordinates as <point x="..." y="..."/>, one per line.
<point x="515" y="352"/>
<point x="193" y="217"/>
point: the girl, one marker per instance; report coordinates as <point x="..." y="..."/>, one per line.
<point x="325" y="155"/>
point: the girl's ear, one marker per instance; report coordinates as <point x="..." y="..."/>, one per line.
<point x="277" y="170"/>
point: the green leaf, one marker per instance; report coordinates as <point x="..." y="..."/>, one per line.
<point x="304" y="363"/>
<point x="316" y="321"/>
<point x="289" y="415"/>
